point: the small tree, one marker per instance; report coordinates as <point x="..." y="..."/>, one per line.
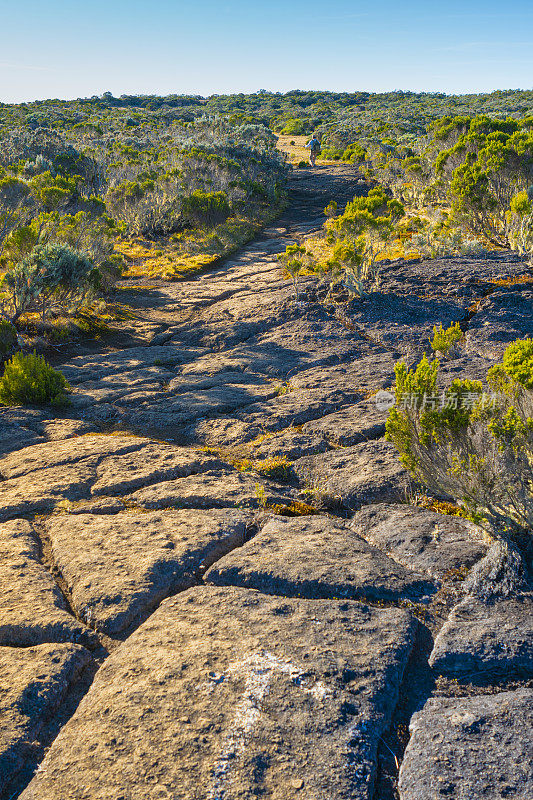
<point x="520" y="223"/>
<point x="360" y="236"/>
<point x="53" y="277"/>
<point x="295" y="260"/>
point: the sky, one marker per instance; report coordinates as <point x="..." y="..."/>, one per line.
<point x="68" y="48"/>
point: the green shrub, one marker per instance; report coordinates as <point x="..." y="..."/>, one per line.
<point x="206" y="208"/>
<point x="354" y="153"/>
<point x="332" y="153"/>
<point x="8" y="338"/>
<point x="470" y="445"/>
<point x="295" y="260"/>
<point x="29" y="380"/>
<point x="296" y="127"/>
<point x="277" y="468"/>
<point x="53" y="277"/>
<point x="331" y="209"/>
<point x="444" y="340"/>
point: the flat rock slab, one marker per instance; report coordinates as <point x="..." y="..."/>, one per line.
<point x="295" y="408"/>
<point x="354" y="424"/>
<point x="153" y="463"/>
<point x="33" y="682"/>
<point x="14" y="437"/>
<point x="66" y="453"/>
<point x="215" y="489"/>
<point x="365" y="373"/>
<point x="470" y="747"/>
<point x="228" y="693"/>
<point x="316" y="557"/>
<point x="96" y="367"/>
<point x="350" y="477"/>
<point x="118" y="567"/>
<point x="32" y="609"/>
<point x="40" y="477"/>
<point x="435" y="544"/>
<point x="24" y="427"/>
<point x="290" y="443"/>
<point x="403" y="322"/>
<point x="483" y="638"/>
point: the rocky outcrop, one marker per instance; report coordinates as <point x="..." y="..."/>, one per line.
<point x="33" y="682"/>
<point x="118" y="567"/>
<point x="252" y="624"/>
<point x="438" y="545"/>
<point x="317" y="557"/>
<point x="32" y="608"/>
<point x="481" y="639"/>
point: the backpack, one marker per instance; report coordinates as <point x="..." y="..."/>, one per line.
<point x="316" y="147"/>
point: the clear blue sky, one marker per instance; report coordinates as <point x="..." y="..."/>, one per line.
<point x="77" y="48"/>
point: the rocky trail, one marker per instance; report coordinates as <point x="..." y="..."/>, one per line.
<point x="185" y="616"/>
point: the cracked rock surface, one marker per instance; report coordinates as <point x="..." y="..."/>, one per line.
<point x="216" y="580"/>
<point x="221" y="692"/>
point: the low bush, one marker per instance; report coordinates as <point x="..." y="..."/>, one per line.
<point x="206" y="208"/>
<point x="464" y="443"/>
<point x="359" y="238"/>
<point x="296" y="259"/>
<point x="444" y="340"/>
<point x="30" y="380"/>
<point x="52" y="278"/>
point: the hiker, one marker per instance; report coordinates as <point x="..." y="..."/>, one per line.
<point x="314" y="149"/>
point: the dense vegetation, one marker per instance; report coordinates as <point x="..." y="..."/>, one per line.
<point x="80" y="181"/>
<point x="85" y="183"/>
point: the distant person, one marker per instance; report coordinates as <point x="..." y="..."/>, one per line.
<point x="314" y="149"/>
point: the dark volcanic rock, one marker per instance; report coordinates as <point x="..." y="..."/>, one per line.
<point x="422" y="540"/>
<point x="484" y="638"/>
<point x="357" y="423"/>
<point x="470" y="747"/>
<point x="33" y="682"/>
<point x="350" y="477"/>
<point x="119" y="566"/>
<point x="32" y="609"/>
<point x="500" y="319"/>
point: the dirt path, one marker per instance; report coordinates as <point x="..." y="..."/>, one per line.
<point x="214" y="550"/>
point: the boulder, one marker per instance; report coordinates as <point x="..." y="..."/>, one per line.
<point x="470" y="747"/>
<point x="231" y="693"/>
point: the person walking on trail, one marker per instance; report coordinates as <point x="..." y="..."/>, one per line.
<point x="314" y="149"/>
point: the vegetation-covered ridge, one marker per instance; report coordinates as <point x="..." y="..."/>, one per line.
<point x="296" y="111"/>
